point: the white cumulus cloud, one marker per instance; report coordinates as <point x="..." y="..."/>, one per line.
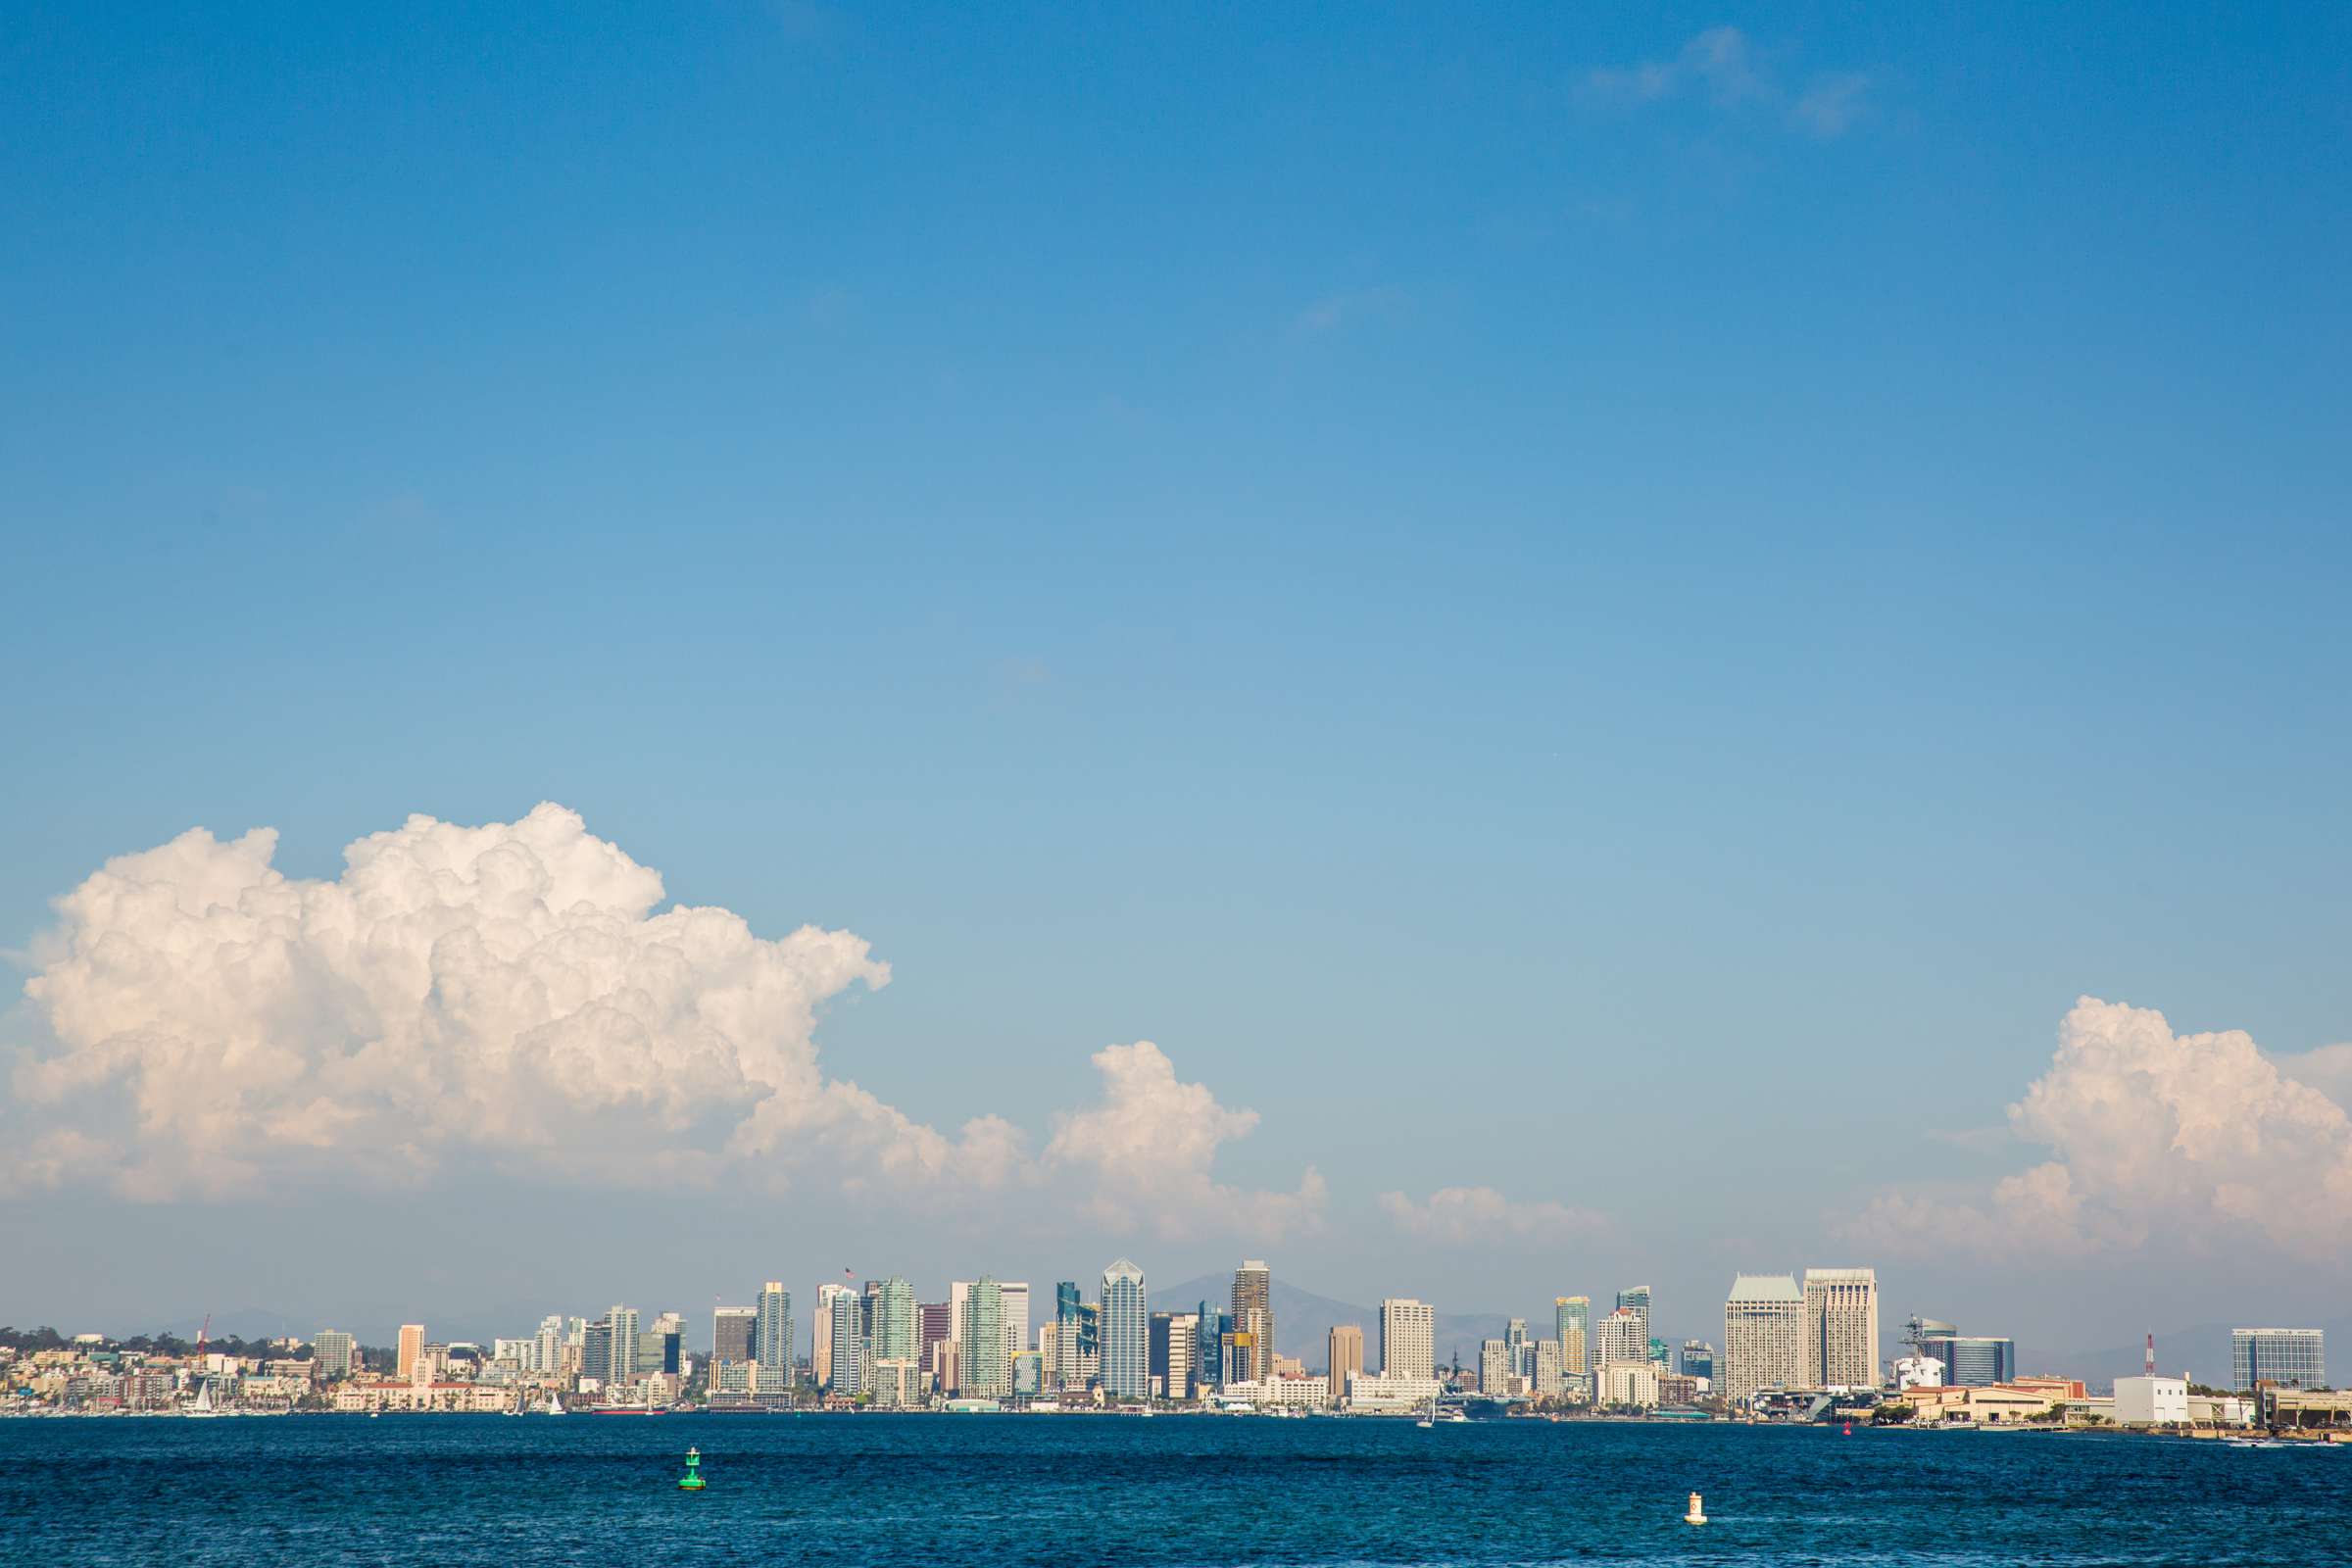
<point x="1466" y="1217"/>
<point x="2155" y="1137"/>
<point x="1146" y="1149"/>
<point x="510" y="996"/>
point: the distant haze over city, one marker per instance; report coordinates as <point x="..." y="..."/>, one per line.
<point x="1484" y="654"/>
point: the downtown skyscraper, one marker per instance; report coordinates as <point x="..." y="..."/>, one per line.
<point x="845" y="1364"/>
<point x="1126" y="1333"/>
<point x="1070" y="1368"/>
<point x="832" y="1300"/>
<point x="1408" y="1338"/>
<point x="620" y="1361"/>
<point x="983" y="1370"/>
<point x="897" y="1329"/>
<point x="734" y="1330"/>
<point x="1572" y="1326"/>
<point x="1342" y="1357"/>
<point x="1763" y="1336"/>
<point x="1254" y="1315"/>
<point x="1635" y="1299"/>
<point x="1842" y="1328"/>
<point x="772" y="1337"/>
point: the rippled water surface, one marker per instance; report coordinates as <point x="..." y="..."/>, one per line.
<point x="1178" y="1490"/>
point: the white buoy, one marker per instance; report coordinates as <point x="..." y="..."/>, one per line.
<point x="1698" y="1513"/>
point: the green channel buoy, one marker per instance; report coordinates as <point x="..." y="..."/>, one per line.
<point x="692" y="1480"/>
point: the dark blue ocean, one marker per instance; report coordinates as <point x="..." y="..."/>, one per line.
<point x="1006" y="1491"/>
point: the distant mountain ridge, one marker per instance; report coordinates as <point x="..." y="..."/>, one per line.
<point x="1303" y="1321"/>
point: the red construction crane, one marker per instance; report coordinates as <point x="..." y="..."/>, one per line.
<point x="203" y="1334"/>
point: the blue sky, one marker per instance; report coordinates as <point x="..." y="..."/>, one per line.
<point x="1623" y="606"/>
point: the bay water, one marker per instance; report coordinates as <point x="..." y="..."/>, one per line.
<point x="1186" y="1492"/>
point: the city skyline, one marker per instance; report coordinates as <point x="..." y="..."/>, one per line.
<point x="874" y="1342"/>
<point x="1474" y="653"/>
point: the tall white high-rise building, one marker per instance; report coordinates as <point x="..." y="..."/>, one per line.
<point x="1635" y="1298"/>
<point x="1126" y="1333"/>
<point x="845" y="1316"/>
<point x="1497" y="1377"/>
<point x="832" y="1301"/>
<point x="1408" y="1338"/>
<point x="959" y="1303"/>
<point x="1623" y="1337"/>
<point x="1184" y="1330"/>
<point x="1544" y="1380"/>
<point x="1842" y="1328"/>
<point x="1016" y="1315"/>
<point x="620" y="1350"/>
<point x="1763" y="1336"/>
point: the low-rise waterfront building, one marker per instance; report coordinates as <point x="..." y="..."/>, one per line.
<point x="2220" y="1411"/>
<point x="1279" y="1393"/>
<point x="1389" y="1392"/>
<point x="2303" y="1408"/>
<point x="1628" y="1382"/>
<point x="2151" y="1401"/>
<point x="420" y="1396"/>
<point x="1978" y="1407"/>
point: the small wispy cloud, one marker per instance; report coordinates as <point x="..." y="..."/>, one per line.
<point x="1725" y="66"/>
<point x="1633" y="84"/>
<point x="1720" y="61"/>
<point x="1831" y="104"/>
<point x="1465" y="1217"/>
<point x="1336" y="311"/>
